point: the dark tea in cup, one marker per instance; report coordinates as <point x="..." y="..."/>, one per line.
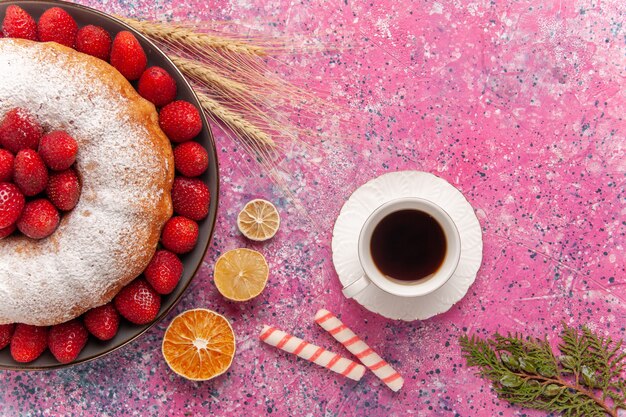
<point x="408" y="245"/>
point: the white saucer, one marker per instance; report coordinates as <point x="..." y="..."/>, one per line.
<point x="389" y="187"/>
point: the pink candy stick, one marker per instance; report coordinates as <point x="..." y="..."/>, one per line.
<point x="357" y="347"/>
<point x="312" y="353"/>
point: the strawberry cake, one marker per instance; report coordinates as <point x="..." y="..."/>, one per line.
<point x="126" y="168"/>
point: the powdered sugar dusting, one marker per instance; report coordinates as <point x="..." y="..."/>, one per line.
<point x="104" y="236"/>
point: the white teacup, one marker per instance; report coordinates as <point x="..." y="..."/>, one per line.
<point x="406" y="288"/>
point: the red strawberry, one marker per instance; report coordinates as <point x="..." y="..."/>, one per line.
<point x="39" y="219"/>
<point x="12" y="203"/>
<point x="63" y="189"/>
<point x="31" y="174"/>
<point x="102" y="322"/>
<point x="7" y="231"/>
<point x="19" y="130"/>
<point x="164" y="271"/>
<point x="138" y="302"/>
<point x="190" y="197"/>
<point x="6" y="165"/>
<point x="66" y="340"/>
<point x="191" y="159"/>
<point x="56" y="25"/>
<point x="6" y="331"/>
<point x="28" y="342"/>
<point x="127" y="56"/>
<point x="19" y="24"/>
<point x="179" y="234"/>
<point x="157" y="86"/>
<point x="58" y="150"/>
<point x="180" y="120"/>
<point x="95" y="41"/>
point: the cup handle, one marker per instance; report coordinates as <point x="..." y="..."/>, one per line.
<point x="354" y="288"/>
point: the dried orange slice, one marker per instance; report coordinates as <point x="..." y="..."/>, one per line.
<point x="240" y="274"/>
<point x="258" y="220"/>
<point x="199" y="344"/>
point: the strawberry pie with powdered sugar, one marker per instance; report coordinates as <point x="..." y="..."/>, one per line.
<point x="87" y="187"/>
<point x="126" y="168"/>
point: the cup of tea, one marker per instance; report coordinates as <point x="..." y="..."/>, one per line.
<point x="408" y="247"/>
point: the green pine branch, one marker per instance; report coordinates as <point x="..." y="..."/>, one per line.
<point x="584" y="381"/>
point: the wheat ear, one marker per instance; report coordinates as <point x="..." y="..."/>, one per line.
<point x="235" y="122"/>
<point x="206" y="74"/>
<point x="179" y="35"/>
<point x="249" y="99"/>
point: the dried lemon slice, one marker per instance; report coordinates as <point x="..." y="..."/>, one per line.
<point x="199" y="344"/>
<point x="240" y="274"/>
<point x="258" y="220"/>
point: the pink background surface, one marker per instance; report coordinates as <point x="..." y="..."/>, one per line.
<point x="518" y="104"/>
